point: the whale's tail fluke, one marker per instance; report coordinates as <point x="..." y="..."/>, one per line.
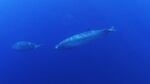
<point x="111" y="29"/>
<point x="106" y="31"/>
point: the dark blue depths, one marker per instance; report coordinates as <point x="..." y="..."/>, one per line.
<point x="122" y="57"/>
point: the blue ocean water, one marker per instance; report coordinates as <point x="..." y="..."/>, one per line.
<point x="120" y="58"/>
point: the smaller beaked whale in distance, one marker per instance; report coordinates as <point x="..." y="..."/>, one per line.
<point x="25" y="46"/>
<point x="82" y="38"/>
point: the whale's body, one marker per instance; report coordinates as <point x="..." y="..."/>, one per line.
<point x="81" y="38"/>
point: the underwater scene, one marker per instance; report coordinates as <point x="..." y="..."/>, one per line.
<point x="75" y="42"/>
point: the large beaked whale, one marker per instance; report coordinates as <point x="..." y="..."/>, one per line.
<point x="82" y="38"/>
<point x="25" y="46"/>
